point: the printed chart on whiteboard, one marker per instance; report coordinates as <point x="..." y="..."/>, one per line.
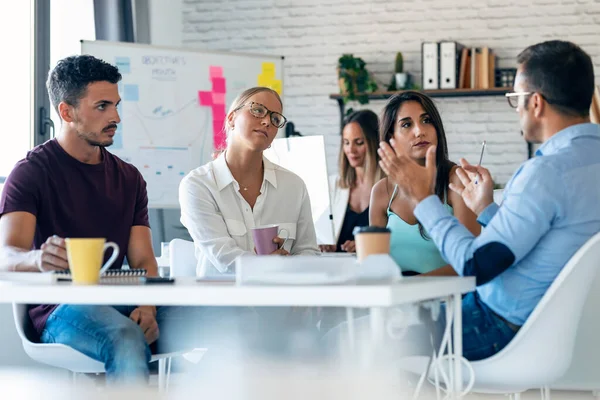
<point x="173" y="107"/>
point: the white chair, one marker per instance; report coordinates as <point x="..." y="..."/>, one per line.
<point x="183" y="262"/>
<point x="182" y="258"/>
<point x="541" y="351"/>
<point x="62" y="356"/>
<point x="583" y="373"/>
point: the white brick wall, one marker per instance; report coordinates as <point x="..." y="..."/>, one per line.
<point x="312" y="34"/>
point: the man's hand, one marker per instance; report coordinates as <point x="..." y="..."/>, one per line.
<point x="476" y="188"/>
<point x="52" y="255"/>
<point x="349" y="246"/>
<point x="414" y="181"/>
<point x="145" y="317"/>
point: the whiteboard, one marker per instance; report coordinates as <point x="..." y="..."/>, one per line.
<point x="305" y="156"/>
<point x="173" y="106"/>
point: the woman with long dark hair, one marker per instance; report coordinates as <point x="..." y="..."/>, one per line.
<point x="412" y="120"/>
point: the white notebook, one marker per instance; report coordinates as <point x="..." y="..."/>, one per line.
<point x="114" y="277"/>
<point x="110" y="275"/>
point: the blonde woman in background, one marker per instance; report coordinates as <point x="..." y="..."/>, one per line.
<point x="350" y="193"/>
<point x="224" y="199"/>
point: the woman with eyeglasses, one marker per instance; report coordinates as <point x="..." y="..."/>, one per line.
<point x="411" y="120"/>
<point x="224" y="199"/>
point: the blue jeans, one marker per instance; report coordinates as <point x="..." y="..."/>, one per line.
<point x="104" y="333"/>
<point x="484" y="333"/>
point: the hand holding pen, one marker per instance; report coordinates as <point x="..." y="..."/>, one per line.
<point x="476" y="185"/>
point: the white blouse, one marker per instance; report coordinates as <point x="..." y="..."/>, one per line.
<point x="220" y="220"/>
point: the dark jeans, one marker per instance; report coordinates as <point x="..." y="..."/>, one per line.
<point x="484" y="332"/>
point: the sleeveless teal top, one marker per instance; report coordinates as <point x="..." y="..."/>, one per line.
<point x="408" y="248"/>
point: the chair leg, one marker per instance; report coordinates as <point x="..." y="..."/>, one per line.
<point x="168" y="377"/>
<point x="162" y="372"/>
<point x="74" y="379"/>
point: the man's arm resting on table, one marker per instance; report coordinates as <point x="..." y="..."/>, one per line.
<point x="17" y="230"/>
<point x="16" y="237"/>
<point x="140" y="254"/>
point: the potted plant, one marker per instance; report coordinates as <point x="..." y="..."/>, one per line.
<point x="354" y="79"/>
<point x="399" y="74"/>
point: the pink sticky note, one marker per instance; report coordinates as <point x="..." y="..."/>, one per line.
<point x="218" y="98"/>
<point x="205" y="98"/>
<point x="218" y="85"/>
<point x="219" y="136"/>
<point x="218" y="112"/>
<point x="215" y="72"/>
<point x="218" y="127"/>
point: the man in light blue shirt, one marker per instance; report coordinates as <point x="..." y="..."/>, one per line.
<point x="550" y="206"/>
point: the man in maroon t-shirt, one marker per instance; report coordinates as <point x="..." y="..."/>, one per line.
<point x="72" y="187"/>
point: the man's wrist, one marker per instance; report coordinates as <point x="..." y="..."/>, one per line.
<point x="482" y="208"/>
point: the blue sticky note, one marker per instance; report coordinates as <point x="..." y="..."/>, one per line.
<point x="123" y="64"/>
<point x="131" y="93"/>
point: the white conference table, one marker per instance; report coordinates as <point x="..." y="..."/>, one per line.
<point x="25" y="288"/>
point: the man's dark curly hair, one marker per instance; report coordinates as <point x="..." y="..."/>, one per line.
<point x="68" y="81"/>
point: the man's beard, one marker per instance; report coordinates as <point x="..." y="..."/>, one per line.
<point x="91" y="139"/>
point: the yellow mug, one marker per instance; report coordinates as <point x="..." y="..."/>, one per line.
<point x="85" y="258"/>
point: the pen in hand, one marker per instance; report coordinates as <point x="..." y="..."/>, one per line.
<point x="480" y="159"/>
<point x="482" y="150"/>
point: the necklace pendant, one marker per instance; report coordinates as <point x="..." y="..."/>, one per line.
<point x="245" y="189"/>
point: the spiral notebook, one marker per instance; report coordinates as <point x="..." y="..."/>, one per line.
<point x="110" y="276"/>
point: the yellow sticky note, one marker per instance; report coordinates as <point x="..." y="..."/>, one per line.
<point x="268" y="70"/>
<point x="276" y="86"/>
<point x="263" y="81"/>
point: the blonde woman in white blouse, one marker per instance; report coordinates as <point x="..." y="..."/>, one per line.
<point x="223" y="200"/>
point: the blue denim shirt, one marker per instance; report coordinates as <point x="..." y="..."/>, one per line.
<point x="551" y="207"/>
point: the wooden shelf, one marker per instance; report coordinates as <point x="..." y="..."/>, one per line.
<point x="437" y="93"/>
